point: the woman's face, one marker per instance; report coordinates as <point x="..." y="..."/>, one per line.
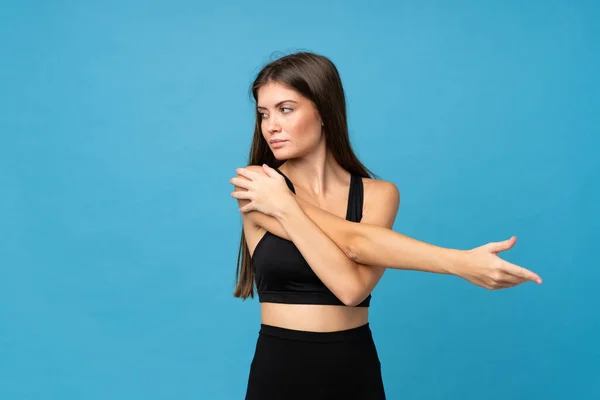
<point x="290" y="123"/>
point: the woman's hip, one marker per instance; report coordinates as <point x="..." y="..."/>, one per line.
<point x="291" y="363"/>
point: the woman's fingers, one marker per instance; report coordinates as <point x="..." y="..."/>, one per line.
<point x="522" y="273"/>
<point x="511" y="280"/>
<point x="245" y="195"/>
<point x="508" y="278"/>
<point x="501" y="280"/>
<point x="269" y="171"/>
<point x="241" y="182"/>
<point x="248" y="207"/>
<point x="503" y="286"/>
<point x="272" y="173"/>
<point x="506" y="281"/>
<point x="490" y="271"/>
<point x="252" y="175"/>
<point x="497" y="247"/>
<point x="514" y="270"/>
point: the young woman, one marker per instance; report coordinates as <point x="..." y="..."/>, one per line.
<point x="317" y="238"/>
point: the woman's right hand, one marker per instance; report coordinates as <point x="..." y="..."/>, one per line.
<point x="264" y="188"/>
<point x="482" y="267"/>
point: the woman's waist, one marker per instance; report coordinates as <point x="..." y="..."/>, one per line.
<point x="313" y="317"/>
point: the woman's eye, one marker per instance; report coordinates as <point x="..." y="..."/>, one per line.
<point x="283" y="109"/>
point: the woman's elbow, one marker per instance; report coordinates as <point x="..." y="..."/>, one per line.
<point x="351" y="302"/>
<point x="353" y="298"/>
<point x="353" y="247"/>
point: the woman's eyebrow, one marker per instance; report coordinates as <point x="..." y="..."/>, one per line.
<point x="278" y="104"/>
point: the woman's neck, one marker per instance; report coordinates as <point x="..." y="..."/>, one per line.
<point x="317" y="173"/>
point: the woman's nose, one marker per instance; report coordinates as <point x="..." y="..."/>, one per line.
<point x="273" y="125"/>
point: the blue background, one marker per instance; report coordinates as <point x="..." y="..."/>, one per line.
<point x="122" y="122"/>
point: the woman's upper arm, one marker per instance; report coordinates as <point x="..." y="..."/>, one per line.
<point x="382" y="201"/>
<point x="339" y="230"/>
<point x="381" y="204"/>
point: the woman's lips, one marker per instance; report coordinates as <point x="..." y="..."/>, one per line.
<point x="278" y="143"/>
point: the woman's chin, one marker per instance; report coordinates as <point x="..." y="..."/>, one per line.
<point x="281" y="154"/>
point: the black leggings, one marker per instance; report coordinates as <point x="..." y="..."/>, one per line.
<point x="290" y="364"/>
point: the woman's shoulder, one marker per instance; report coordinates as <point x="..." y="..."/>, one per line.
<point x="255" y="168"/>
<point x="380" y="190"/>
<point x="381" y="202"/>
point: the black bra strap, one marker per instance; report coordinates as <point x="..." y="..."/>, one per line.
<point x="355" y="199"/>
<point x="287" y="180"/>
<point x="355" y="196"/>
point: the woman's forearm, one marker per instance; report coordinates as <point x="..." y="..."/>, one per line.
<point x="374" y="245"/>
<point x="333" y="267"/>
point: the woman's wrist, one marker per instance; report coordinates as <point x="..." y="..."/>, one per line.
<point x="455" y="261"/>
<point x="289" y="207"/>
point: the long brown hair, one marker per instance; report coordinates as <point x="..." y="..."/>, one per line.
<point x="316" y="78"/>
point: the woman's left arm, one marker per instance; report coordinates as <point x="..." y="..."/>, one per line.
<point x="349" y="281"/>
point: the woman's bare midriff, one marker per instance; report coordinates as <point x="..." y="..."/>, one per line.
<point x="313" y="318"/>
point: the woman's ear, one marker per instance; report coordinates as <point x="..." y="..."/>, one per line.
<point x="318" y="114"/>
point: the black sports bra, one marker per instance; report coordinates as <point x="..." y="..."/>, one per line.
<point x="281" y="272"/>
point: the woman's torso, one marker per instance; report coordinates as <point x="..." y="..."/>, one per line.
<point x="311" y="317"/>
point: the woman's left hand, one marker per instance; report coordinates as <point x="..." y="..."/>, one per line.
<point x="267" y="191"/>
